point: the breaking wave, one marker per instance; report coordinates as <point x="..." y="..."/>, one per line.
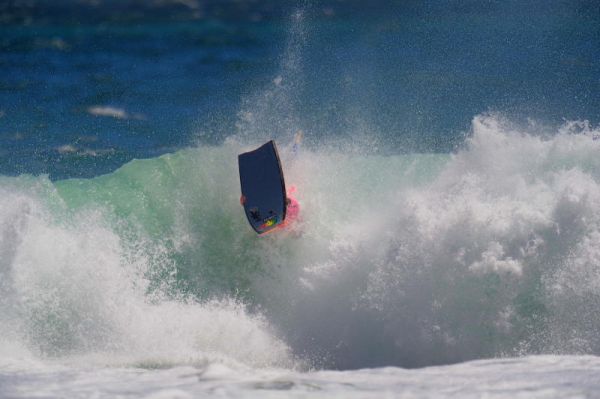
<point x="408" y="260"/>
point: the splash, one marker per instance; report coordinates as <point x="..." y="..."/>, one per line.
<point x="274" y="111"/>
<point x="79" y="286"/>
<point x="496" y="255"/>
<point x="407" y="260"/>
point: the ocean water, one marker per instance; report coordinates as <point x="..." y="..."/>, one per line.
<point x="449" y="238"/>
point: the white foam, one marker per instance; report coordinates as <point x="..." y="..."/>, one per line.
<point x="409" y="260"/>
<point x="113" y="112"/>
<point x="73" y="289"/>
<point x="496" y="254"/>
<point x="531" y="377"/>
<point x="66" y="149"/>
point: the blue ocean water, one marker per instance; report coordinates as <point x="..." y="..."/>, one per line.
<point x="449" y="184"/>
<point x="412" y="74"/>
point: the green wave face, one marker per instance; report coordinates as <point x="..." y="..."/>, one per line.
<point x="188" y="203"/>
<point x="185" y="202"/>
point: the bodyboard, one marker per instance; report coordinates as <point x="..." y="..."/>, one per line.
<point x="263" y="187"/>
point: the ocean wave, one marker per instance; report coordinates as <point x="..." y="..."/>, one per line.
<point x="409" y="260"/>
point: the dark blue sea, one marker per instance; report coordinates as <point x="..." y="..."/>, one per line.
<point x="448" y="243"/>
<point x="411" y="74"/>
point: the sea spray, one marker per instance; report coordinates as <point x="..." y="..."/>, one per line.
<point x="408" y="259"/>
<point x="275" y="109"/>
<point x="76" y="285"/>
<point x="496" y="255"/>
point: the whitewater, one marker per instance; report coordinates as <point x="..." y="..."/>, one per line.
<point x="147" y="282"/>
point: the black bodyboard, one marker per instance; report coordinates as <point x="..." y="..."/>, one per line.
<point x="263" y="187"/>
